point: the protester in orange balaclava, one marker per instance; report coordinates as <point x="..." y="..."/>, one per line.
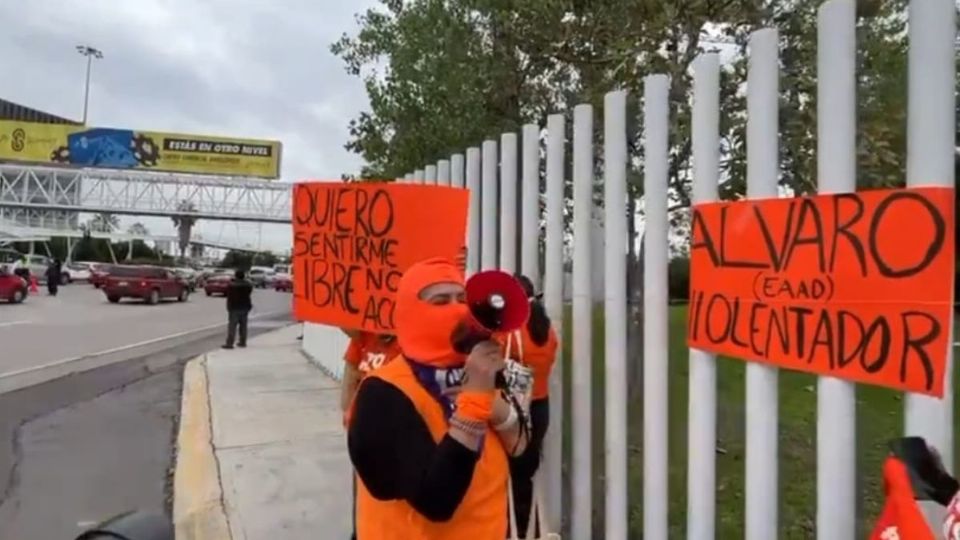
<point x="429" y="432"/>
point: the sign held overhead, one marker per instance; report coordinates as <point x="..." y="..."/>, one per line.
<point x="353" y="241"/>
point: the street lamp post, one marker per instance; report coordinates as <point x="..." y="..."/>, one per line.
<point x="90" y="53"/>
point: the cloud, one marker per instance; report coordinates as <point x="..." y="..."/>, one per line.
<point x="244" y="68"/>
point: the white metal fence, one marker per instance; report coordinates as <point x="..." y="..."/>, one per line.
<point x="930" y="134"/>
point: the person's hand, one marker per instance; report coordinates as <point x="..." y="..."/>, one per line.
<point x="483" y="364"/>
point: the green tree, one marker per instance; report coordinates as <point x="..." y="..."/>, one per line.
<point x="264" y="258"/>
<point x="104" y="222"/>
<point x="138" y="229"/>
<point x="242" y="260"/>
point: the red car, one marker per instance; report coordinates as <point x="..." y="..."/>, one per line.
<point x="13" y="288"/>
<point x="283" y="282"/>
<point x="217" y="284"/>
<point x="150" y="283"/>
<point x="99" y="273"/>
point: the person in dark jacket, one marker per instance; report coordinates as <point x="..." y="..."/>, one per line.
<point x="53" y="277"/>
<point x="238" y="308"/>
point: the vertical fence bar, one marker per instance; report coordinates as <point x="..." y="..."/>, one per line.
<point x="836" y="173"/>
<point x="473" y="219"/>
<point x="530" y="197"/>
<point x="553" y="300"/>
<point x="655" y="343"/>
<point x="443" y="172"/>
<point x="762" y="395"/>
<point x="581" y="362"/>
<point x="418" y="176"/>
<point x="508" y="202"/>
<point x="615" y="309"/>
<point x="408" y="178"/>
<point x="702" y="397"/>
<point x="931" y="125"/>
<point x="488" y="207"/>
<point x="457" y="179"/>
<point x="430" y="174"/>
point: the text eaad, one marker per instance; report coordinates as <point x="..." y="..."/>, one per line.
<point x="353" y="241"/>
<point x="854" y="285"/>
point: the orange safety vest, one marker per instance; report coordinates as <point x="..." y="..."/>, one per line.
<point x="482" y="515"/>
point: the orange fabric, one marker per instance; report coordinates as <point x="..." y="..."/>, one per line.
<point x="483" y="513"/>
<point x="425" y="331"/>
<point x="901" y="518"/>
<point x="367" y="352"/>
<point x="540" y="358"/>
<point x="476" y="406"/>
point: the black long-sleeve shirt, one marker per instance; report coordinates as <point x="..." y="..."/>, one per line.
<point x="238" y="295"/>
<point x="395" y="455"/>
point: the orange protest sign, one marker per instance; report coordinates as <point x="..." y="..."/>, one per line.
<point x="854" y="285"/>
<point x="353" y="241"/>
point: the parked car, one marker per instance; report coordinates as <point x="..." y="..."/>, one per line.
<point x="261" y="277"/>
<point x="99" y="273"/>
<point x="13" y="288"/>
<point x="217" y="283"/>
<point x="283" y="282"/>
<point x="76" y="271"/>
<point x="150" y="283"/>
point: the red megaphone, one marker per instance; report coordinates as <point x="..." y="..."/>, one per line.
<point x="497" y="301"/>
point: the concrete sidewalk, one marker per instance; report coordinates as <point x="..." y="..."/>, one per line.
<point x="261" y="450"/>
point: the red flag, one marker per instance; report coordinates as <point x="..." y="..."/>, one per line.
<point x="901" y="518"/>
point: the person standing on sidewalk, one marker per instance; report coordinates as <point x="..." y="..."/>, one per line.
<point x="238" y="309"/>
<point x="429" y="433"/>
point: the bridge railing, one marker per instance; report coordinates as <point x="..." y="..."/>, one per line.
<point x="142" y="193"/>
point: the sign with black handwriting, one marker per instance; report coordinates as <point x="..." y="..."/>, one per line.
<point x="852" y="285"/>
<point x="353" y="241"/>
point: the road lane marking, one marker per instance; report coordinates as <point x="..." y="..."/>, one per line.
<point x="12" y="323"/>
<point x="122" y="348"/>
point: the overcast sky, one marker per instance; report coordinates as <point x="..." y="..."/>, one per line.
<point x="243" y="68"/>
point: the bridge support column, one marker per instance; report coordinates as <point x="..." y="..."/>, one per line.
<point x="70" y="245"/>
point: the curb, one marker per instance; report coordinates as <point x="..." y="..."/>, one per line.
<point x="319" y="365"/>
<point x="198" y="510"/>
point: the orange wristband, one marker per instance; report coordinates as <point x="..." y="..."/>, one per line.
<point x="477" y="406"/>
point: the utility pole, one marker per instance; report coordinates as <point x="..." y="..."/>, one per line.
<point x="90" y="53"/>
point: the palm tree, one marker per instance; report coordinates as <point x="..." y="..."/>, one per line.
<point x="184" y="225"/>
<point x="104" y="222"/>
<point x="138" y="229"/>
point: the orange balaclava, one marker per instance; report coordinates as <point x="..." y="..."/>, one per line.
<point x="426" y="332"/>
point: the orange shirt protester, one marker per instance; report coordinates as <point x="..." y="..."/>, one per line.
<point x="366" y="352"/>
<point x="537" y="350"/>
<point x="429" y="433"/>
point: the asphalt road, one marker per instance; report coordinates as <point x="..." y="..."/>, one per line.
<point x="47" y="337"/>
<point x="81" y="446"/>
